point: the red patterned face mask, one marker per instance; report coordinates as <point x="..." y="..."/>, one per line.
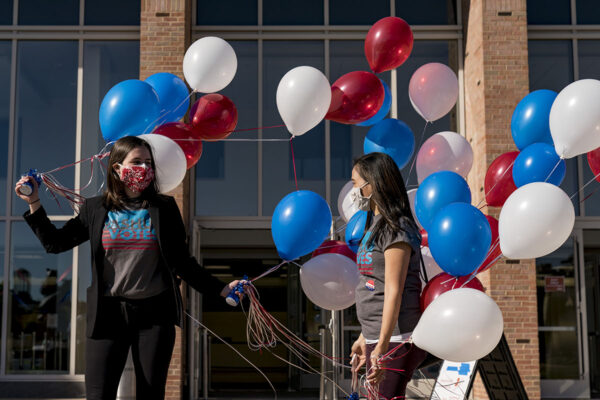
<point x="137" y="177"/>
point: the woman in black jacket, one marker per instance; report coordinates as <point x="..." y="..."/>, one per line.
<point x="139" y="252"/>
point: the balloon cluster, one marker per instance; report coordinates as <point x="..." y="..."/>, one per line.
<point x="153" y="109"/>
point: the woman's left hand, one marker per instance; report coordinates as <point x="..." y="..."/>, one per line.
<point x="230" y="286"/>
<point x="376" y="374"/>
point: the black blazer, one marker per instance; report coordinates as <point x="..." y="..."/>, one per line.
<point x="88" y="225"/>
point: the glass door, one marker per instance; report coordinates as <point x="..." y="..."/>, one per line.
<point x="591" y="260"/>
<point x="559" y="297"/>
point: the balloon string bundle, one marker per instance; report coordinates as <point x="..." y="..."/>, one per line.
<point x="294" y="162"/>
<point x="414" y="160"/>
<point x="56" y="188"/>
<point x="372" y="391"/>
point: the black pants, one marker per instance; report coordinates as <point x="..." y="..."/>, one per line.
<point x="147" y="327"/>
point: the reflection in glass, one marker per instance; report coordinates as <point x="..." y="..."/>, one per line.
<point x="357" y="12"/>
<point x="105" y="63"/>
<point x="548" y="12"/>
<point x="557" y="314"/>
<point x="293" y="12"/>
<point x="551" y="67"/>
<point x="309" y="149"/>
<point x="112" y="12"/>
<point x="5" y="58"/>
<point x="84" y="280"/>
<point x="46" y="114"/>
<point x="231" y="12"/>
<point x="39" y="306"/>
<point x="227" y="172"/>
<point x="44" y="12"/>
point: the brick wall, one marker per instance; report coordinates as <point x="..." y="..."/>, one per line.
<point x="496" y="78"/>
<point x="164" y="37"/>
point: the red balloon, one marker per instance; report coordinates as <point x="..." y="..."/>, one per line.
<point x="355" y="97"/>
<point x="179" y="130"/>
<point x="499" y="183"/>
<point x="388" y="44"/>
<point x="424" y="238"/>
<point x="494" y="250"/>
<point x="213" y="116"/>
<point x="593" y="158"/>
<point x="442" y="283"/>
<point x="335" y="246"/>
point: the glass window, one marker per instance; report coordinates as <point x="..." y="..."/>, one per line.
<point x="228" y="169"/>
<point x="588" y="12"/>
<point x="105" y="63"/>
<point x="357" y="12"/>
<point x="6" y="12"/>
<point x="232" y="12"/>
<point x="309" y="149"/>
<point x="427" y="12"/>
<point x="5" y="59"/>
<point x="44" y="12"/>
<point x="589" y="59"/>
<point x="557" y="314"/>
<point x="591" y="246"/>
<point x="548" y="12"/>
<point x="112" y="12"/>
<point x="39" y="306"/>
<point x="46" y="114"/>
<point x="551" y="67"/>
<point x="293" y="12"/>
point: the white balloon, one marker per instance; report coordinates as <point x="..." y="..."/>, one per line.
<point x="460" y="325"/>
<point x="431" y="266"/>
<point x="346" y="207"/>
<point x="536" y="219"/>
<point x="444" y="151"/>
<point x="329" y="280"/>
<point x="433" y="90"/>
<point x="575" y="118"/>
<point x="412" y="193"/>
<point x="303" y="98"/>
<point x="169" y="160"/>
<point x="209" y="64"/>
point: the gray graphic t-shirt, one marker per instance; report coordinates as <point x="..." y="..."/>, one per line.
<point x="370" y="289"/>
<point x="132" y="265"/>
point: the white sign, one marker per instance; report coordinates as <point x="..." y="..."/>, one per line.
<point x="453" y="381"/>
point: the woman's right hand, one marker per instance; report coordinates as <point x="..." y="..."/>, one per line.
<point x="33" y="198"/>
<point x="359" y="349"/>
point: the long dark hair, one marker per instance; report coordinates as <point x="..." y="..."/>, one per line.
<point x="114" y="197"/>
<point x="389" y="193"/>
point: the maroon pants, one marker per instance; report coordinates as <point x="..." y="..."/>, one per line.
<point x="406" y="358"/>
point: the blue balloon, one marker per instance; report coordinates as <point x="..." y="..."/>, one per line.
<point x="300" y="223"/>
<point x="536" y="162"/>
<point x="436" y="192"/>
<point x="172" y="94"/>
<point x="383" y="110"/>
<point x="130" y="108"/>
<point x="393" y="138"/>
<point x="459" y="238"/>
<point x="531" y="119"/>
<point x="355" y="229"/>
